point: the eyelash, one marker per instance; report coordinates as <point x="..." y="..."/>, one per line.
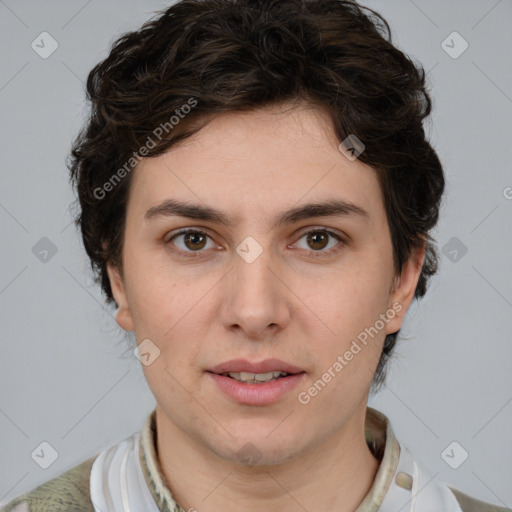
<point x="311" y="254"/>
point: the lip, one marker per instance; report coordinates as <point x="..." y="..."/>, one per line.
<point x="265" y="366"/>
<point x="257" y="394"/>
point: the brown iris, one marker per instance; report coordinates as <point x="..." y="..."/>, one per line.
<point x="318" y="238"/>
<point x="194" y="241"/>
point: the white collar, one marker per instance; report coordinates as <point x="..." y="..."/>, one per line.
<point x="117" y="483"/>
<point x="414" y="489"/>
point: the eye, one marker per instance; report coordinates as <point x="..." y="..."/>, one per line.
<point x="321" y="242"/>
<point x="192" y="241"/>
<point x="318" y="242"/>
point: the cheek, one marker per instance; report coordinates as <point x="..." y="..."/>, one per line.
<point x="155" y="295"/>
<point x="350" y="339"/>
<point x="172" y="314"/>
<point x="350" y="301"/>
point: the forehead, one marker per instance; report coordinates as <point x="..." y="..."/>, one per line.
<point x="255" y="162"/>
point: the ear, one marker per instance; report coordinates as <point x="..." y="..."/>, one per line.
<point x="123" y="314"/>
<point x="405" y="286"/>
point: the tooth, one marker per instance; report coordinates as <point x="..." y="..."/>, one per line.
<point x="255" y="377"/>
<point x="264" y="376"/>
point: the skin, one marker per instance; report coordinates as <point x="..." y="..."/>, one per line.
<point x="204" y="310"/>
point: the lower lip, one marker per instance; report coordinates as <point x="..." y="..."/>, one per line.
<point x="257" y="394"/>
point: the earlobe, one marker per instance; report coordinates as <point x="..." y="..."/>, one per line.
<point x="123" y="314"/>
<point x="405" y="286"/>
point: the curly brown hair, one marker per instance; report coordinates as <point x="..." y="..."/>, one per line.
<point x="233" y="55"/>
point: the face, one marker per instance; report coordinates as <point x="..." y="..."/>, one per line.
<point x="260" y="276"/>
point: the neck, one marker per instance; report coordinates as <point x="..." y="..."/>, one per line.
<point x="334" y="475"/>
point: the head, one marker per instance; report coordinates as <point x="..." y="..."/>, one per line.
<point x="235" y="110"/>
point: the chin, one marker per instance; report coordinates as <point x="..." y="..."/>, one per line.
<point x="258" y="451"/>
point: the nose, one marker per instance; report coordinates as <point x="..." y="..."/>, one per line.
<point x="255" y="299"/>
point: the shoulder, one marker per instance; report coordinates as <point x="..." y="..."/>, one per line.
<point x="68" y="492"/>
<point x="469" y="504"/>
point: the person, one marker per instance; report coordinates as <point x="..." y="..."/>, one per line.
<point x="256" y="197"/>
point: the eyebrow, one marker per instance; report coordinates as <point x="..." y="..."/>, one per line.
<point x="332" y="207"/>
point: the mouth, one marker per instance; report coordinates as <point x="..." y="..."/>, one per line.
<point x="252" y="372"/>
<point x="256" y="378"/>
<point x="256" y="383"/>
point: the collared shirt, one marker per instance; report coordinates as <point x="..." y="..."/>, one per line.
<point x="127" y="477"/>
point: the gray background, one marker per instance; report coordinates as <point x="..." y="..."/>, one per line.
<point x="63" y="376"/>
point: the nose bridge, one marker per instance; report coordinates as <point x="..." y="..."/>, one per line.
<point x="251" y="274"/>
<point x="256" y="297"/>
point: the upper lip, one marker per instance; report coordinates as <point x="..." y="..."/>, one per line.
<point x="265" y="366"/>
